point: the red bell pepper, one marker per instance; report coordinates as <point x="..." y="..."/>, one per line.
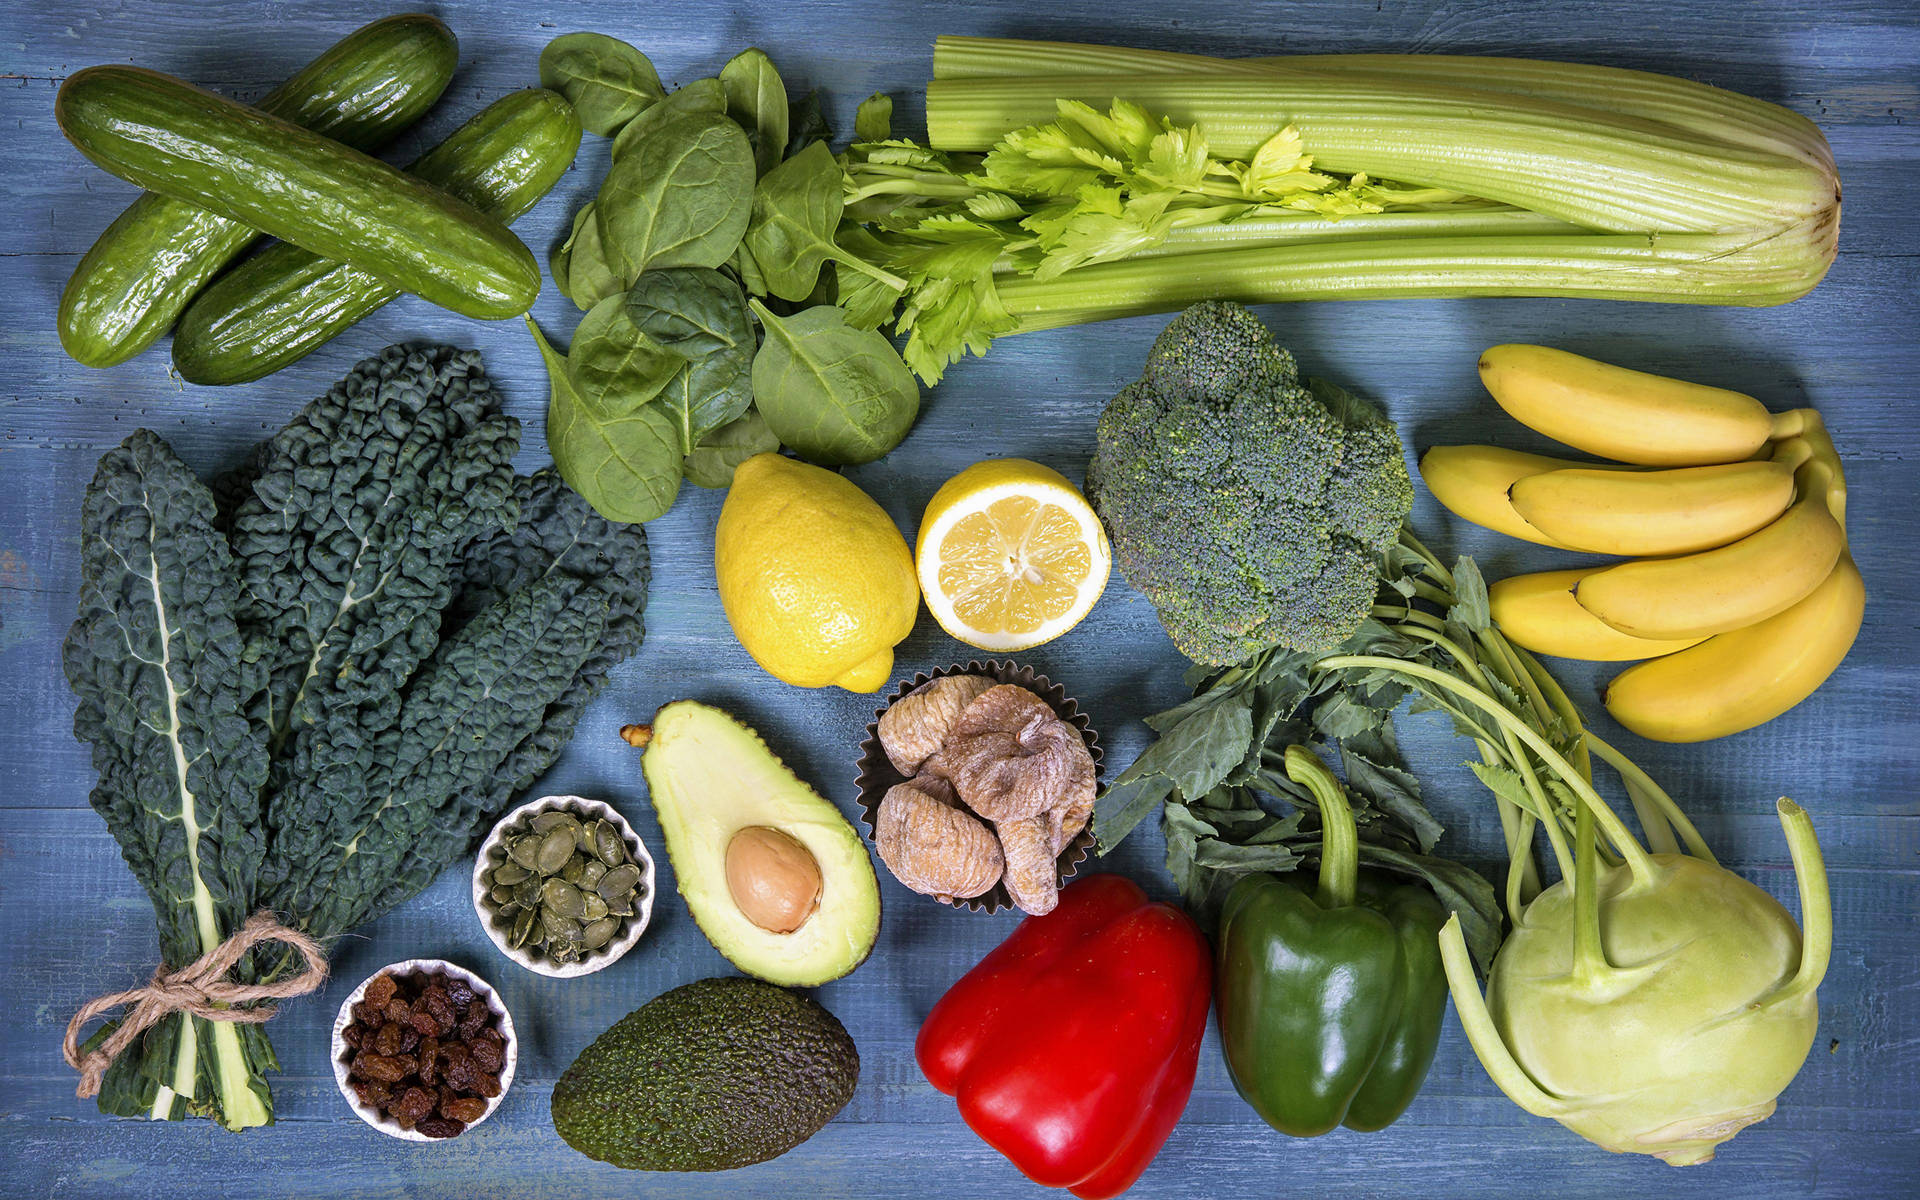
<point x="1072" y="1047"/>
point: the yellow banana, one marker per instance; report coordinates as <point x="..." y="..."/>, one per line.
<point x="1539" y="612"/>
<point x="1675" y="511"/>
<point x="1747" y="677"/>
<point x="1629" y="416"/>
<point x="1473" y="481"/>
<point x="1735" y="585"/>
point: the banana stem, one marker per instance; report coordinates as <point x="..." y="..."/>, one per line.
<point x="1635" y="856"/>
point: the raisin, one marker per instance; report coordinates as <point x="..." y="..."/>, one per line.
<point x="381" y="990"/>
<point x="466" y="1109"/>
<point x="441" y="1127"/>
<point x="485" y="1083"/>
<point x="429" y="1055"/>
<point x="398" y="1010"/>
<point x="383" y="1067"/>
<point x="424" y="1023"/>
<point x="460" y="992"/>
<point x="414" y="1104"/>
<point x="368" y="1013"/>
<point x="474" y="1019"/>
<point x="373" y="1093"/>
<point x="489" y="1055"/>
<point x="409" y="1037"/>
<point x="440" y="1008"/>
<point x="387" y="1040"/>
<point x="351" y="1035"/>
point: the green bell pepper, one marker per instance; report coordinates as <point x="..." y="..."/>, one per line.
<point x="1330" y="1003"/>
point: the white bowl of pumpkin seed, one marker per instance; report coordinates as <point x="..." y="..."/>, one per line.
<point x="563" y="886"/>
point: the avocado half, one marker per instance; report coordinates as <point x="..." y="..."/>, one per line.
<point x="711" y="777"/>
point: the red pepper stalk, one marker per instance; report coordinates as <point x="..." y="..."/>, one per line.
<point x="1072" y="1047"/>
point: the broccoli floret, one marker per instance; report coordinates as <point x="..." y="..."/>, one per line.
<point x="1249" y="505"/>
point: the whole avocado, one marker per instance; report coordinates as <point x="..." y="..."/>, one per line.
<point x="717" y="1074"/>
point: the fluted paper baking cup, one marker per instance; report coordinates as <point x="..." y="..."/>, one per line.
<point x="877" y="774"/>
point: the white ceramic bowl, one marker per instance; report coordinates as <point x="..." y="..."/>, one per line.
<point x="343" y="1054"/>
<point x="493" y="852"/>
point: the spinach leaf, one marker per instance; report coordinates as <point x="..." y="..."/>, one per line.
<point x="679" y="198"/>
<point x="873" y="120"/>
<point x="607" y="81"/>
<point x="700" y="96"/>
<point x="807" y="123"/>
<point x="613" y="361"/>
<point x="796" y="212"/>
<point x="625" y="461"/>
<point x="836" y="394"/>
<point x="712" y="462"/>
<point x="758" y="100"/>
<point x="701" y="316"/>
<point x="580" y="267"/>
<point x="747" y="270"/>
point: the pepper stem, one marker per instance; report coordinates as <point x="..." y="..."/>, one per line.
<point x="1339" y="839"/>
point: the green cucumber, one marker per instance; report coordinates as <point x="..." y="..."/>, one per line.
<point x="143" y="270"/>
<point x="171" y="137"/>
<point x="284" y="302"/>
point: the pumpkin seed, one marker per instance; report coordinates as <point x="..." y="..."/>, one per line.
<point x="590" y="874"/>
<point x="510" y="872"/>
<point x="523" y="928"/>
<point x="501" y="893"/>
<point x="564" y="952"/>
<point x="618" y="881"/>
<point x="556" y="847"/>
<point x="575" y="868"/>
<point x="621" y="906"/>
<point x="594" y="907"/>
<point x="526" y="893"/>
<point x="559" y="896"/>
<point x="557" y="927"/>
<point x="525" y="850"/>
<point x="599" y="933"/>
<point x="556" y="818"/>
<point x="608" y="845"/>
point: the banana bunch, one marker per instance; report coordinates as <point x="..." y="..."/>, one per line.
<point x="1739" y="595"/>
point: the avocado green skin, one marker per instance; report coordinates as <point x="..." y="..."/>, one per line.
<point x="148" y="264"/>
<point x="715" y="1075"/>
<point x="1328" y="1015"/>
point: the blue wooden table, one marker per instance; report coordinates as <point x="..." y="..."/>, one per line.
<point x="74" y="924"/>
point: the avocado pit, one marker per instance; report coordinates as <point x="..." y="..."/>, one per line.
<point x="775" y="881"/>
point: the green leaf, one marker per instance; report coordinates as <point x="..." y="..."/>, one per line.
<point x="796" y="212"/>
<point x="1124" y="804"/>
<point x="614" y="363"/>
<point x="625" y="464"/>
<point x="701" y="316"/>
<point x="679" y="198"/>
<point x="809" y="124"/>
<point x="607" y="81"/>
<point x="712" y="462"/>
<point x="757" y="99"/>
<point x="1198" y="753"/>
<point x="1470" y="605"/>
<point x="701" y="96"/>
<point x="589" y="279"/>
<point x="873" y="120"/>
<point x="837" y="395"/>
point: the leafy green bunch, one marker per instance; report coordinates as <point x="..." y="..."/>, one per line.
<point x="1090" y="187"/>
<point x="710" y="332"/>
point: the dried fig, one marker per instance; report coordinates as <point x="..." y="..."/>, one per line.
<point x="1030" y="875"/>
<point x="933" y="847"/>
<point x="1066" y="819"/>
<point x="916" y="725"/>
<point x="1011" y="758"/>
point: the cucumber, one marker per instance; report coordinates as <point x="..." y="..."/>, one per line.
<point x="284" y="302"/>
<point x="171" y="137"/>
<point x="143" y="270"/>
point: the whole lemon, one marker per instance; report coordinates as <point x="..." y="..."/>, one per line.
<point x="815" y="578"/>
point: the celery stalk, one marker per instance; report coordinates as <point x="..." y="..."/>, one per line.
<point x="1606" y="172"/>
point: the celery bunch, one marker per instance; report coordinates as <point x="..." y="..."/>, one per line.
<point x="1065" y="184"/>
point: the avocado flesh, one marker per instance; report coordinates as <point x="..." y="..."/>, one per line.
<point x="712" y="1076"/>
<point x="710" y="777"/>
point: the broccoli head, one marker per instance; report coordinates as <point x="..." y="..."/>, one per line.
<point x="1249" y="505"/>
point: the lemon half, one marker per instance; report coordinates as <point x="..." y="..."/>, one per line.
<point x="1010" y="555"/>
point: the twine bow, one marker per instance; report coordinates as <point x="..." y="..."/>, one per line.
<point x="201" y="989"/>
